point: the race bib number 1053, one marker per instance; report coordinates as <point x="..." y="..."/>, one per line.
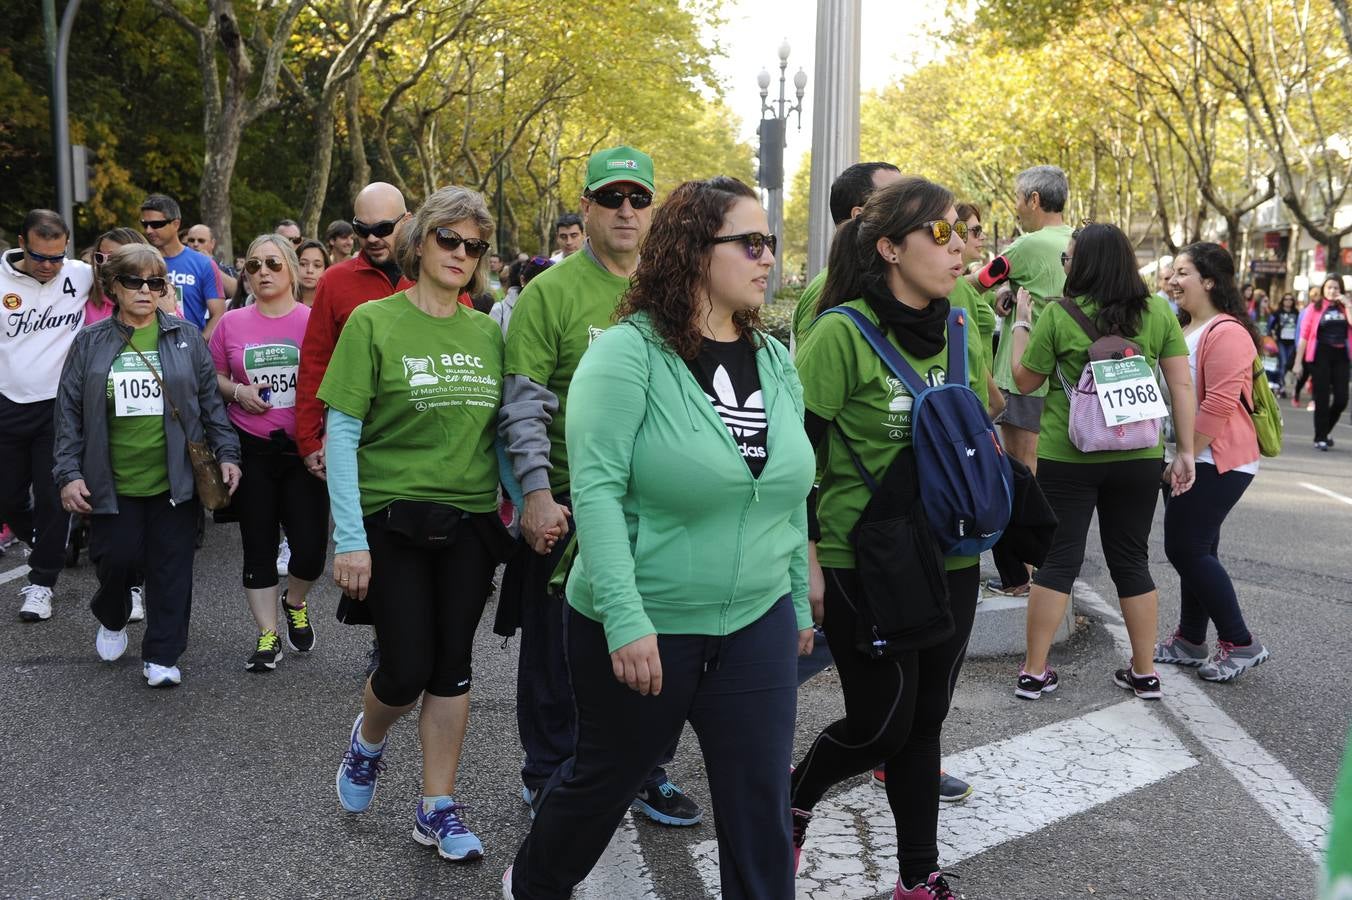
<point x="136" y="392"/>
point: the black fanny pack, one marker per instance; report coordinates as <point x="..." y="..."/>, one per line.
<point x="422" y="523"/>
<point x="905" y="604"/>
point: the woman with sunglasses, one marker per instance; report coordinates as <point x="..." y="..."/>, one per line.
<point x="100" y="306"/>
<point x="256" y="351"/>
<point x="684" y="605"/>
<point x="1324" y="349"/>
<point x="896" y="263"/>
<point x="413" y="390"/>
<point x="1121" y="485"/>
<point x="314" y="260"/>
<point x="136" y="388"/>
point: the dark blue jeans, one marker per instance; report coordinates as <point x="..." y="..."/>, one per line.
<point x="740" y="694"/>
<point x="1192" y="536"/>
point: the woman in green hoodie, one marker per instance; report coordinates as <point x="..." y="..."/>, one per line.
<point x="688" y="601"/>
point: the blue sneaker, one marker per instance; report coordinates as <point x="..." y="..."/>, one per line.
<point x="358" y="773"/>
<point x="442" y="828"/>
<point x="668" y="805"/>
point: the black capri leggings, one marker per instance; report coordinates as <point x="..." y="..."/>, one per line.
<point x="276" y="490"/>
<point x="1125" y="494"/>
<point x="425" y="605"/>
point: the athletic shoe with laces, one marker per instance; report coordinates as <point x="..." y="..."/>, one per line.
<point x="7" y="537"/>
<point x="1031" y="687"/>
<point x="1232" y="660"/>
<point x="266" y="653"/>
<point x="1179" y="651"/>
<point x="668" y="805"/>
<point x="442" y="828"/>
<point x="951" y="789"/>
<point x="37" y="603"/>
<point x="283" y="557"/>
<point x="801" y="818"/>
<point x="138" y="604"/>
<point x="1147" y="687"/>
<point x="158" y="676"/>
<point x="110" y="644"/>
<point x="300" y="634"/>
<point x="935" y="887"/>
<point x="1322" y="446"/>
<point x="358" y="773"/>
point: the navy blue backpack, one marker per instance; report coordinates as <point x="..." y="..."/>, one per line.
<point x="966" y="484"/>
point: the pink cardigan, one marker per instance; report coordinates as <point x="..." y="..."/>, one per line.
<point x="1309" y="331"/>
<point x="1225" y="373"/>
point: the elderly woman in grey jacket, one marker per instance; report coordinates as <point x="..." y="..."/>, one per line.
<point x="122" y="456"/>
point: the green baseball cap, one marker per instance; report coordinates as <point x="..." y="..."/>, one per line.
<point x="618" y="164"/>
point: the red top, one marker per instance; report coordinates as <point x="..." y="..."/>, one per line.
<point x="1225" y="358"/>
<point x="341" y="289"/>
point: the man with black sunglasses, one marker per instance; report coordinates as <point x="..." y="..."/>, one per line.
<point x="194" y="275"/>
<point x="43" y="296"/>
<point x="555" y="319"/>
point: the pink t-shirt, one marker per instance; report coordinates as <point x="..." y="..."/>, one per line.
<point x="97" y="310"/>
<point x="254" y="349"/>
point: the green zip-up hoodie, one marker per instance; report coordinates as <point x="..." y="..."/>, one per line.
<point x="675" y="536"/>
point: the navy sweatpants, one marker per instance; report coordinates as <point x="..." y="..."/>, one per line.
<point x="740" y="694"/>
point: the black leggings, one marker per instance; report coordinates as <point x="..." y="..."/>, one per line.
<point x="1330" y="388"/>
<point x="276" y="490"/>
<point x="894" y="713"/>
<point x="1125" y="494"/>
<point x="1192" y="539"/>
<point x="426" y="605"/>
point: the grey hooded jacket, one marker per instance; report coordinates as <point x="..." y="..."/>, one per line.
<point x="82" y="408"/>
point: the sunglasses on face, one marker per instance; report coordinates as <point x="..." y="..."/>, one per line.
<point x="615" y="199"/>
<point x="253" y="264"/>
<point x="942" y="230"/>
<point x="156" y="283"/>
<point x="101" y="258"/>
<point x="754" y="242"/>
<point x="295" y="241"/>
<point x="381" y="229"/>
<point x="1066" y="258"/>
<point x="450" y="241"/>
<point x="975" y="230"/>
<point x="156" y="225"/>
<point x="43" y="257"/>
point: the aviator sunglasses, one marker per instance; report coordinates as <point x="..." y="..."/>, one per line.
<point x="450" y="241"/>
<point x="754" y="242"/>
<point x="615" y="199"/>
<point x="253" y="264"/>
<point x="156" y="283"/>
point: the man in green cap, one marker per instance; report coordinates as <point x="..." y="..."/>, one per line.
<point x="556" y="318"/>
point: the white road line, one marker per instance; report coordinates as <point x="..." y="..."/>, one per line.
<point x="1291" y="805"/>
<point x="12" y="574"/>
<point x="621" y="873"/>
<point x="1027" y="782"/>
<point x="1326" y="492"/>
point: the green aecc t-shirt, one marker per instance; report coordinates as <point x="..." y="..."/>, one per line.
<point x="555" y="319"/>
<point x="848" y="384"/>
<point x="1034" y="263"/>
<point x="1059" y="341"/>
<point x="136" y="442"/>
<point x="427" y="391"/>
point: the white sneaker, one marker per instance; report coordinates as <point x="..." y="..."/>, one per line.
<point x="138" y="605"/>
<point x="161" y="676"/>
<point x="283" y="557"/>
<point x="110" y="644"/>
<point x="37" y="603"/>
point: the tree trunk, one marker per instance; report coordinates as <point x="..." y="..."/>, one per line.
<point x="218" y="168"/>
<point x="1340" y="7"/>
<point x="356" y="144"/>
<point x="318" y="186"/>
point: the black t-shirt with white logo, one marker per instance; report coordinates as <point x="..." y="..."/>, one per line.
<point x="726" y="370"/>
<point x="1333" y="327"/>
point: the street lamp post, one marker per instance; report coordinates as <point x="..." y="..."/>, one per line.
<point x="773" y="135"/>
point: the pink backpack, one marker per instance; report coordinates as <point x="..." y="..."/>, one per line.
<point x="1089" y="432"/>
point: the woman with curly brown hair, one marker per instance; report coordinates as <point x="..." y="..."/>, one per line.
<point x="688" y="602"/>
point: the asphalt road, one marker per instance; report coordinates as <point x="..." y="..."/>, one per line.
<point x="224" y="786"/>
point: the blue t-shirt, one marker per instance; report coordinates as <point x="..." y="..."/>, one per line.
<point x="194" y="277"/>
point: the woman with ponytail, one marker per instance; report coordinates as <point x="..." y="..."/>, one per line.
<point x="1222" y="345"/>
<point x="1324" y="350"/>
<point x="896" y="264"/>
